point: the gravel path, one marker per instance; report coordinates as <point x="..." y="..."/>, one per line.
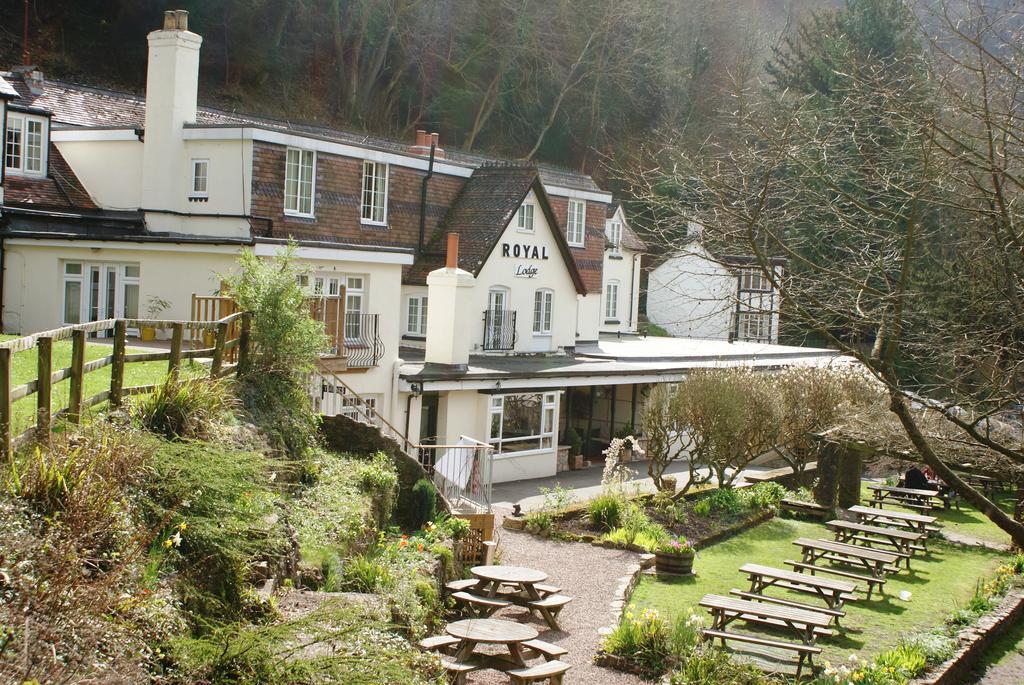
<point x="1009" y="672"/>
<point x="588" y="574"/>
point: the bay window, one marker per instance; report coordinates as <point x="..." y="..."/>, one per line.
<point x="522" y="423"/>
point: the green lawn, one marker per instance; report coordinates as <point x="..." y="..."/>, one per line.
<point x="966" y="520"/>
<point x="25" y="369"/>
<point x="938" y="581"/>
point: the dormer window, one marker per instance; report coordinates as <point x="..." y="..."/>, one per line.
<point x="615" y="236"/>
<point x="576" y="225"/>
<point x="375" y="194"/>
<point x="524" y="218"/>
<point x="25" y="149"/>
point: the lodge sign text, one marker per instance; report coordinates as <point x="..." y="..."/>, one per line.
<point x="524" y="251"/>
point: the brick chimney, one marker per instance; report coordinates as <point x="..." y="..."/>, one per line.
<point x="449" y="291"/>
<point x="423" y="142"/>
<point x="172" y="91"/>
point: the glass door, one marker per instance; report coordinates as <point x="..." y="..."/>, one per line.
<point x="497" y="310"/>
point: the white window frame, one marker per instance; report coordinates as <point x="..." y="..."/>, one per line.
<point x="198" y="164"/>
<point x="754" y="280"/>
<point x="416" y="323"/>
<point x="355" y="301"/>
<point x="615" y="236"/>
<point x="525" y="218"/>
<point x="23" y="120"/>
<point x="83" y="279"/>
<point x="544" y="439"/>
<point x="543" y="311"/>
<point x="611" y="300"/>
<point x="369" y="211"/>
<point x="293" y="205"/>
<point x="576" y="223"/>
<point x="754" y="325"/>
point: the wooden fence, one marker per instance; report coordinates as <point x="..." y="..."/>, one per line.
<point x="225" y="346"/>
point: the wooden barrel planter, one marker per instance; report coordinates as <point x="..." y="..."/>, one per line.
<point x="678" y="564"/>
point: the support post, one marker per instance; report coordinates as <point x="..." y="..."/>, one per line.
<point x="174" y="362"/>
<point x="632" y="407"/>
<point x="611" y="413"/>
<point x="218" y="350"/>
<point x="243" y="343"/>
<point x="117" y="366"/>
<point x="5" y="402"/>
<point x="44" y="387"/>
<point x="77" y="376"/>
<point x="590" y="421"/>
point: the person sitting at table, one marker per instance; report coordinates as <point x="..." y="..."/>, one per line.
<point x="914" y="479"/>
<point x="929" y="474"/>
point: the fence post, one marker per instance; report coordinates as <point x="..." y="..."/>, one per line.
<point x="177" y="333"/>
<point x="5" y="402"/>
<point x="77" y="376"/>
<point x="218" y="349"/>
<point x="117" y="366"/>
<point x="44" y="380"/>
<point x="243" y="343"/>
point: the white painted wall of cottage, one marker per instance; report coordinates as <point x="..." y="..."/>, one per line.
<point x="692" y="296"/>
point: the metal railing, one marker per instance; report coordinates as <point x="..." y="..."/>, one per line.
<point x="363" y="345"/>
<point x="461" y="472"/>
<point x="499" y="329"/>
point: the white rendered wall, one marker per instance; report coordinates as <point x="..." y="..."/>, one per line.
<point x="623" y="267"/>
<point x="692" y="296"/>
<point x="552" y="273"/>
<point x="589" y="312"/>
<point x="110" y="170"/>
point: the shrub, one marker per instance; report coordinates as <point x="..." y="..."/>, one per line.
<point x="667" y="508"/>
<point x="648" y="540"/>
<point x="726" y="501"/>
<point x="379" y="480"/>
<point x="605" y="510"/>
<point x="184" y="408"/>
<point x="905" y="660"/>
<point x="333" y="517"/>
<point x="635" y="522"/>
<point x="702" y="507"/>
<point x="363" y="573"/>
<point x="644" y="639"/>
<point x="286" y="343"/>
<point x="572" y="436"/>
<point x="423" y="505"/>
<point x="936" y="647"/>
<point x="763" y="496"/>
<point x="538" y="521"/>
<point x="705" y="665"/>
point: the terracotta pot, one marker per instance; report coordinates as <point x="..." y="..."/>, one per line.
<point x="147" y="334"/>
<point x="680" y="564"/>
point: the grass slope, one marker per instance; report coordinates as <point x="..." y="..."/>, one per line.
<point x="25" y="369"/>
<point x="939" y="581"/>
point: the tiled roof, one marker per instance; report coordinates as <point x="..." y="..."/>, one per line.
<point x="483" y="209"/>
<point x="60" y="189"/>
<point x="79" y="105"/>
<point x="631" y="241"/>
<point x="6" y="89"/>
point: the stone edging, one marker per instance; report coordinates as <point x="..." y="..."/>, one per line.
<point x="627" y="584"/>
<point x="974" y="640"/>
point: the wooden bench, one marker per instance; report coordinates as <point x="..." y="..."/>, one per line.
<point x="479" y="606"/>
<point x="809" y="508"/>
<point x="550" y="607"/>
<point x="908" y="497"/>
<point x="547" y="650"/>
<point x="835" y="613"/>
<point x="871" y="581"/>
<point x="833" y="592"/>
<point x="463" y="584"/>
<point x="806" y="652"/>
<point x="897" y="519"/>
<point x="457" y="671"/>
<point x="551" y="671"/>
<point x="876" y="562"/>
<point x="439" y="643"/>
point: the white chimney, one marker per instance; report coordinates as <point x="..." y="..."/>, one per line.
<point x="451" y="317"/>
<point x="172" y="90"/>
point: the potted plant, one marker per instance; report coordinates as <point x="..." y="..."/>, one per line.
<point x="572" y="437"/>
<point x="626" y="431"/>
<point x="675" y="555"/>
<point x="154" y="307"/>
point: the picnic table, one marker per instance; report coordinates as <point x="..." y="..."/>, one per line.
<point x="908" y="497"/>
<point x="487" y="631"/>
<point x="905" y="542"/>
<point x="875" y="562"/>
<point x="520" y="586"/>
<point x="920" y="523"/>
<point x="833" y="592"/>
<point x="803" y="624"/>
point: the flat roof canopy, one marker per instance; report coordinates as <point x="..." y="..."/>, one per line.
<point x="608" y="362"/>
